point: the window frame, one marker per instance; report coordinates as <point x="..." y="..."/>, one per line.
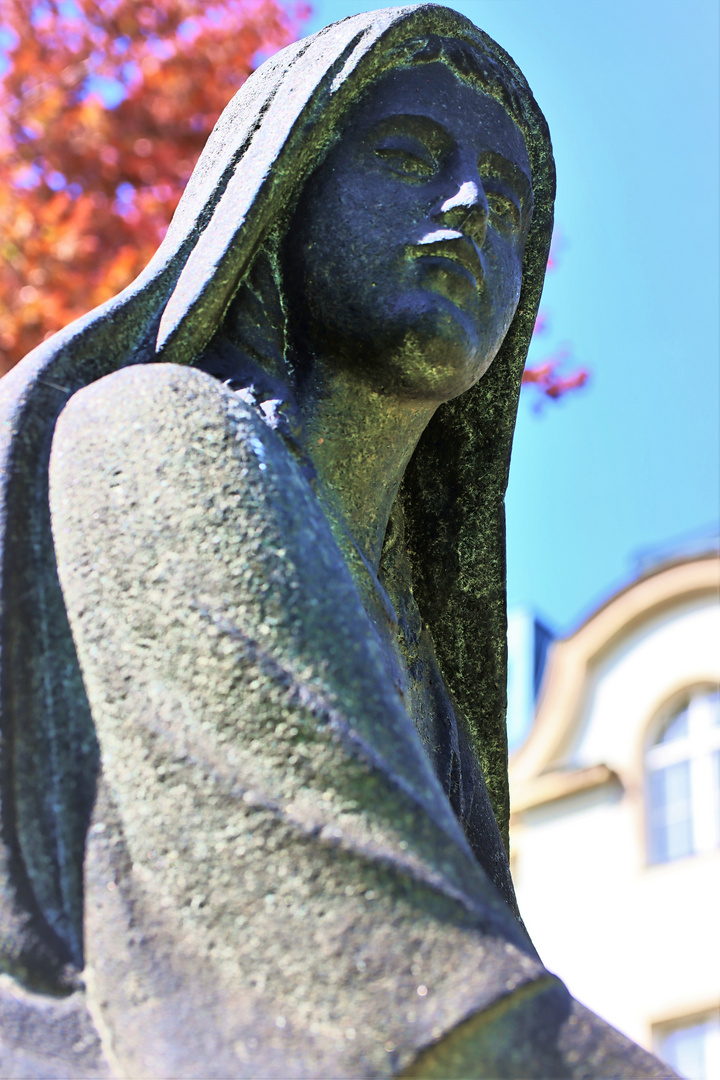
<point x="700" y="748"/>
<point x="709" y="1019"/>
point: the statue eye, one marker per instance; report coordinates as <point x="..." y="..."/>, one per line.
<point x="504" y="211"/>
<point x="414" y="163"/>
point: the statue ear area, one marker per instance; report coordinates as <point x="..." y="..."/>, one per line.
<point x="255" y="321"/>
<point x="248" y="351"/>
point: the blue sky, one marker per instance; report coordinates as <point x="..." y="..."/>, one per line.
<point x="630" y="91"/>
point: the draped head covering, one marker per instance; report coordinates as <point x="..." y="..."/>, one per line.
<point x="268" y="140"/>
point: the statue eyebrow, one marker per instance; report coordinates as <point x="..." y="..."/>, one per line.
<point x="506" y="169"/>
<point x="438" y="139"/>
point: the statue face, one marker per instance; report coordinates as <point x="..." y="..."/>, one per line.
<point x="404" y="255"/>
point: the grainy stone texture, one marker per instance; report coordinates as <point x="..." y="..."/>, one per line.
<point x="278" y="841"/>
<point x="253" y="775"/>
<point x="43" y="1038"/>
<point x="275" y="884"/>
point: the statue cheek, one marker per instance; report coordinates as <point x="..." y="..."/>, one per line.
<point x="507" y="276"/>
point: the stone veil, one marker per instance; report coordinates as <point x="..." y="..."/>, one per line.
<point x="220" y="832"/>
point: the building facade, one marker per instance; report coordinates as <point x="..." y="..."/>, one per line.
<point x="615" y="832"/>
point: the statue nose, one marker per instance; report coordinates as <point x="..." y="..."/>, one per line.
<point x="467" y="211"/>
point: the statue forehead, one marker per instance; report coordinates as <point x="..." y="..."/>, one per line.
<point x="437" y="91"/>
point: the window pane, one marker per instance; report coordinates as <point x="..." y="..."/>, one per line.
<point x="684" y="1049"/>
<point x="671" y="834"/>
<point x="676" y="728"/>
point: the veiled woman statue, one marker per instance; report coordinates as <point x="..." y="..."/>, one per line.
<point x="254" y="784"/>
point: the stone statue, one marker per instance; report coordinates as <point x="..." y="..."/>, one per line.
<point x="254" y="780"/>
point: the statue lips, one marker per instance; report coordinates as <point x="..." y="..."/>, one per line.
<point x="455" y="247"/>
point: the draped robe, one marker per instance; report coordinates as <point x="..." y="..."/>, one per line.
<point x="221" y="829"/>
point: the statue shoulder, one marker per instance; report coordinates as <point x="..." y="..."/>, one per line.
<point x="159" y="420"/>
<point x="178" y="513"/>
<point x="167" y="489"/>
<point x="160" y="458"/>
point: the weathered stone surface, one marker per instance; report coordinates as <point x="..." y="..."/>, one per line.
<point x="275" y="841"/>
<point x="253" y="779"/>
<point x="537" y="1033"/>
<point x="42" y="1037"/>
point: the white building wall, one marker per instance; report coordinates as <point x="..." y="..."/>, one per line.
<point x="521" y="698"/>
<point x="639" y="944"/>
<point x="677" y="649"/>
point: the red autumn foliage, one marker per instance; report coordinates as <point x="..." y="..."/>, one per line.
<point x="549" y="380"/>
<point x="546" y="376"/>
<point x="87" y="191"/>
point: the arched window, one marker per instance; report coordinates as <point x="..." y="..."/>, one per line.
<point x="683" y="779"/>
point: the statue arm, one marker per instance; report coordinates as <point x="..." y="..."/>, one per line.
<point x="275" y="883"/>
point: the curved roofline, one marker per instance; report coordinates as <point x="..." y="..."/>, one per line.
<point x="571" y="657"/>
